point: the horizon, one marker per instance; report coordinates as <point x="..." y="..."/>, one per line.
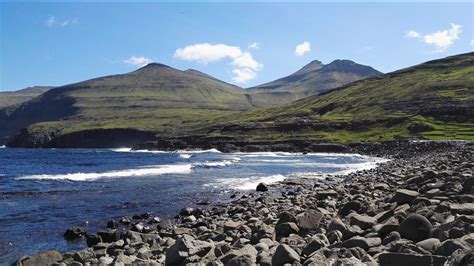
<point x="240" y="50"/>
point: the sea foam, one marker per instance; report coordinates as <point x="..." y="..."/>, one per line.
<point x="149" y="171"/>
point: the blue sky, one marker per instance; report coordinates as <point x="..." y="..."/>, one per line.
<point x="241" y="43"/>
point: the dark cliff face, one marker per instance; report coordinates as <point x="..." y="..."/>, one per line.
<point x="99" y="138"/>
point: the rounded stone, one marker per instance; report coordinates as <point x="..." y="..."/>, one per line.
<point x="415" y="227"/>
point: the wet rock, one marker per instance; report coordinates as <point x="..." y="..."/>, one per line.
<point x="415" y="227"/>
<point x="112" y="224"/>
<point x="261" y="187"/>
<point x="45" y="258"/>
<point x="74" y="233"/>
<point x="284" y="254"/>
<point x="403" y="196"/>
<point x="92" y="240"/>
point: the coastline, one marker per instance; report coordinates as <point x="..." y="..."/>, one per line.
<point x="362" y="217"/>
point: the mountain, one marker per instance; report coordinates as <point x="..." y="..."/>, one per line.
<point x="156" y="98"/>
<point x="9" y="98"/>
<point x="312" y="79"/>
<point x="433" y="100"/>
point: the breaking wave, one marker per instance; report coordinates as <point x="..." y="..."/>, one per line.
<point x="245" y="183"/>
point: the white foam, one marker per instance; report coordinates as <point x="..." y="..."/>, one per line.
<point x="149" y="171"/>
<point x="3" y="147"/>
<point x="122" y="149"/>
<point x="199" y="151"/>
<point x="185" y="156"/>
<point x="246" y="183"/>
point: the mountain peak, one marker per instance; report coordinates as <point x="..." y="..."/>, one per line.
<point x="311" y="66"/>
<point x="348" y="66"/>
<point x="154" y="65"/>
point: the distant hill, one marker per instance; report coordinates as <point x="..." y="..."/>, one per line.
<point x="433" y="100"/>
<point x="312" y="79"/>
<point x="154" y="98"/>
<point x="9" y="98"/>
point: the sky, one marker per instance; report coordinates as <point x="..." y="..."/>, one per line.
<point x="241" y="43"/>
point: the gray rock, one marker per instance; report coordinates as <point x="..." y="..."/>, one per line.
<point x="415" y="227"/>
<point x="185" y="247"/>
<point x="317" y="242"/>
<point x="309" y="220"/>
<point x="356" y="241"/>
<point x="447" y="247"/>
<point x="45" y="258"/>
<point x="285" y="229"/>
<point x="84" y="255"/>
<point x="396" y="259"/>
<point x="353" y="205"/>
<point x="464" y="208"/>
<point x="337" y="224"/>
<point x="403" y="196"/>
<point x="285" y="254"/>
<point x="286" y="217"/>
<point x="430" y="244"/>
<point x="363" y="221"/>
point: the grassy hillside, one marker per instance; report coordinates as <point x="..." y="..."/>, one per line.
<point x="312" y="79"/>
<point x="10" y="98"/>
<point x="434" y="100"/>
<point x="154" y="98"/>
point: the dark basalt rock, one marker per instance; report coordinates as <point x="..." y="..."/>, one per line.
<point x="74" y="233"/>
<point x="415" y="227"/>
<point x="261" y="187"/>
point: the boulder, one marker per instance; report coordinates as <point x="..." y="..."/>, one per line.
<point x="261" y="187"/>
<point x="363" y="221"/>
<point x="396" y="259"/>
<point x="74" y="233"/>
<point x="464" y="208"/>
<point x="185" y="247"/>
<point x="403" y="196"/>
<point x="285" y="229"/>
<point x="317" y="242"/>
<point x="309" y="220"/>
<point x="44" y="258"/>
<point x="286" y="217"/>
<point x="415" y="227"/>
<point x="356" y="241"/>
<point x="447" y="247"/>
<point x="284" y="254"/>
<point x="337" y="224"/>
<point x="430" y="244"/>
<point x="353" y="205"/>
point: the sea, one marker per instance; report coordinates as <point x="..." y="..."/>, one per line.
<point x="45" y="191"/>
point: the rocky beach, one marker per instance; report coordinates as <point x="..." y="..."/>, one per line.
<point x="416" y="209"/>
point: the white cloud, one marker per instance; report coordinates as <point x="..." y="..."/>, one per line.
<point x="412" y="34"/>
<point x="441" y="39"/>
<point x="444" y="39"/>
<point x="302" y="48"/>
<point x="254" y="45"/>
<point x="243" y="75"/>
<point x="52" y="22"/>
<point x="245" y="66"/>
<point x="205" y="53"/>
<point x="138" y="61"/>
<point x="246" y="60"/>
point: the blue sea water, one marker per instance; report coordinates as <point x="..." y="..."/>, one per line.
<point x="45" y="191"/>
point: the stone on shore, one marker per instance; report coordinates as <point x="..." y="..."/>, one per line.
<point x="403" y="196"/>
<point x="44" y="258"/>
<point x="284" y="254"/>
<point x="415" y="227"/>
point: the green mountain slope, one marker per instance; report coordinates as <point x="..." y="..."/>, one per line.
<point x="433" y="100"/>
<point x="312" y="79"/>
<point x="9" y="98"/>
<point x="154" y="98"/>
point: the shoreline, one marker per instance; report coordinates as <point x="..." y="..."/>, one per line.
<point x="361" y="217"/>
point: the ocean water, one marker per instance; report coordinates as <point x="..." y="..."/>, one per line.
<point x="45" y="191"/>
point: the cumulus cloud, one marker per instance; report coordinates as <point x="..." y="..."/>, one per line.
<point x="205" y="53"/>
<point x="412" y="34"/>
<point x="254" y="45"/>
<point x="442" y="39"/>
<point x="53" y="22"/>
<point x="302" y="48"/>
<point x="245" y="66"/>
<point x="138" y="61"/>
